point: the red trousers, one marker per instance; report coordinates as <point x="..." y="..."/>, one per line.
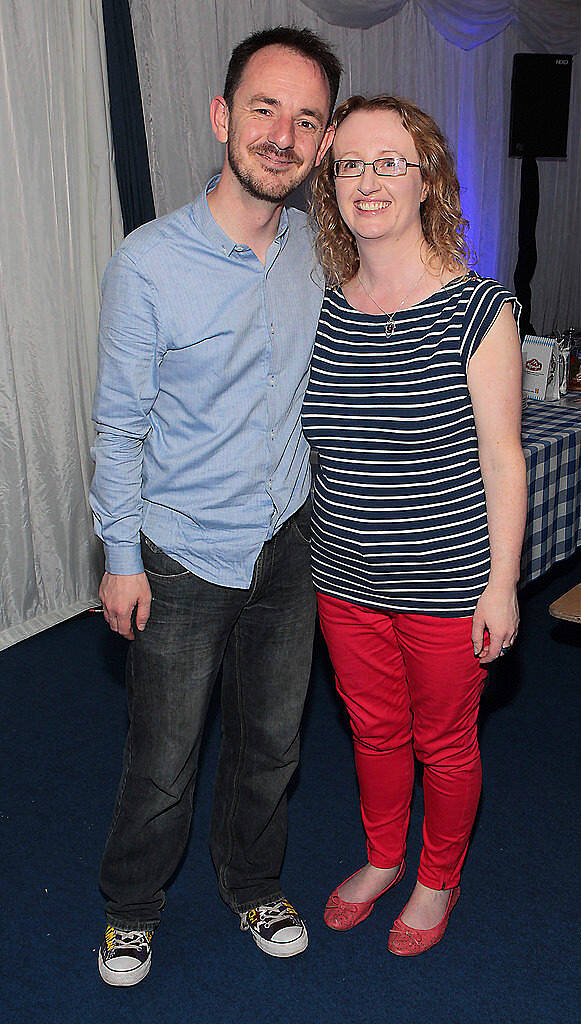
<point x="410" y="682"/>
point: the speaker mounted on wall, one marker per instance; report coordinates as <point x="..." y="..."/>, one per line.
<point x="539" y="111"/>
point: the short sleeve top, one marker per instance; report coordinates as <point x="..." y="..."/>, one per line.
<point x="399" y="518"/>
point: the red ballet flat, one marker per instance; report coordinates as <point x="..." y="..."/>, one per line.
<point x="341" y="916"/>
<point x="407" y="941"/>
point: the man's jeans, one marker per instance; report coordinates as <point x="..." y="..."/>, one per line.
<point x="264" y="637"/>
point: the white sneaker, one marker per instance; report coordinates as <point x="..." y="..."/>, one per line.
<point x="124" y="956"/>
<point x="276" y="928"/>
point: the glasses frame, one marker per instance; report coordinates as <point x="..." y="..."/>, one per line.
<point x="362" y="164"/>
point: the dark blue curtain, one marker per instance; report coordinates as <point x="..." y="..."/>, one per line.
<point x="131" y="158"/>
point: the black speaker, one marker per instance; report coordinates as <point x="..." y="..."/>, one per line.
<point x="539" y="109"/>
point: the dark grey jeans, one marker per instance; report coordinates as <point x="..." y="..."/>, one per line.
<point x="263" y="636"/>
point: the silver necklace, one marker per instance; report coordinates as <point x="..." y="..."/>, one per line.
<point x="390" y="323"/>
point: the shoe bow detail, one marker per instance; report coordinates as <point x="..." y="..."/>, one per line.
<point x="341" y="915"/>
<point x="407" y="941"/>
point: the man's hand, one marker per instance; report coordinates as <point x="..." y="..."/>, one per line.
<point x="119" y="595"/>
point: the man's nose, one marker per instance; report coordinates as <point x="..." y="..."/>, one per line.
<point x="282" y="132"/>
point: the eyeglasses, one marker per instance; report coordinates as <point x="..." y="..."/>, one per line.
<point x="386" y="167"/>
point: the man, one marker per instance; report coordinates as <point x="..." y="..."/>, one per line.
<point x="201" y="498"/>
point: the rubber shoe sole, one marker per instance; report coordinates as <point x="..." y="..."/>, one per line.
<point x="124" y="979"/>
<point x="282" y="949"/>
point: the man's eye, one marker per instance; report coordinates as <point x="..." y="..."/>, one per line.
<point x="261" y="110"/>
<point x="308" y="125"/>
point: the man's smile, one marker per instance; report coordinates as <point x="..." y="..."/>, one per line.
<point x="276" y="159"/>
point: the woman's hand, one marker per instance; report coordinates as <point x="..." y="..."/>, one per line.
<point x="495" y="622"/>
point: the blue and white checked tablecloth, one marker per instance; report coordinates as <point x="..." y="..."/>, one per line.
<point x="551" y="436"/>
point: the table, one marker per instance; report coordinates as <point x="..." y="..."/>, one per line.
<point x="568" y="606"/>
<point x="551" y="436"/>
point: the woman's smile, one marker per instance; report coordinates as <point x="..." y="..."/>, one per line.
<point x="371" y="205"/>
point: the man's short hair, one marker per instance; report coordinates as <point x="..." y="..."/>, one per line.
<point x="301" y="41"/>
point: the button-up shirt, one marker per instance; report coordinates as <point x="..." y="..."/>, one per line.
<point x="203" y="363"/>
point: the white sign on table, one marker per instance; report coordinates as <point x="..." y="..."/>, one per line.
<point x="540" y="357"/>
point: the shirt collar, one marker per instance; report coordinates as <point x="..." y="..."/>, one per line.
<point x="202" y="216"/>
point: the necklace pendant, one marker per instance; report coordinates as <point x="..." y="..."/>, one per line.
<point x="389" y="328"/>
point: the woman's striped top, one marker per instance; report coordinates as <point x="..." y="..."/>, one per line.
<point x="399" y="518"/>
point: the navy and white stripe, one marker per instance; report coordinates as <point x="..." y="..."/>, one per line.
<point x="399" y="517"/>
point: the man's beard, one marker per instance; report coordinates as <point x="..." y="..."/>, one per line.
<point x="251" y="181"/>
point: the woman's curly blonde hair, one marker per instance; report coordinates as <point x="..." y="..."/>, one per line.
<point x="443" y="225"/>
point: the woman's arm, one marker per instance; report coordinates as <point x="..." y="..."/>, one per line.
<point x="495" y="384"/>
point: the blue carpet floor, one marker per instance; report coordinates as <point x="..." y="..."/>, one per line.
<point x="511" y="950"/>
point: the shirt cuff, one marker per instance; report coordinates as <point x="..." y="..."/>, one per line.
<point x="123" y="561"/>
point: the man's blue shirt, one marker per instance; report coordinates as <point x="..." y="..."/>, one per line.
<point x="203" y="363"/>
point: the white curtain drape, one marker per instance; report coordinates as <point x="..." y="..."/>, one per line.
<point x="183" y="49"/>
<point x="548" y="25"/>
<point x="60" y="221"/>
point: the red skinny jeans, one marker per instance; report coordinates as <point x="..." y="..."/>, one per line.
<point x="410" y="683"/>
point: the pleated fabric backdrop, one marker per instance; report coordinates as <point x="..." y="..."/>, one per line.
<point x="454" y="59"/>
<point x="60" y="217"/>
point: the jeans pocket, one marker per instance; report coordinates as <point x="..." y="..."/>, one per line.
<point x="301" y="521"/>
<point x="157" y="563"/>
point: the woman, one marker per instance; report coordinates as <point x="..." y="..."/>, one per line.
<point x="414" y="408"/>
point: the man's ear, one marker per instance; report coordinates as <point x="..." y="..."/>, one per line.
<point x="324" y="144"/>
<point x="219" y="118"/>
